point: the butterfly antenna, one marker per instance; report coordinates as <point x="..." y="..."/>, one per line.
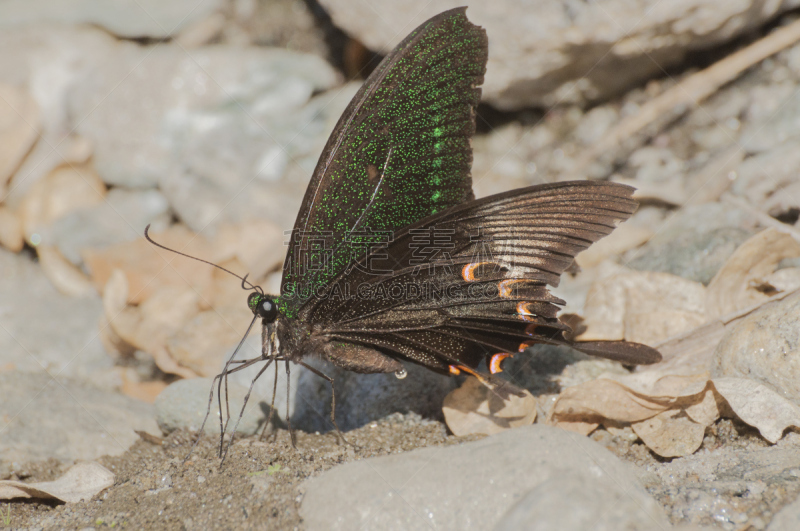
<point x="244" y="279"/>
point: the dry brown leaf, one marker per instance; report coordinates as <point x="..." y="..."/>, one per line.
<point x="583" y="428"/>
<point x="474" y="408"/>
<point x="670" y="433"/>
<point x="81" y="482"/>
<point x="144" y="391"/>
<point x="257" y="244"/>
<point x="645" y="307"/>
<point x="148" y="326"/>
<point x="67" y="278"/>
<point x="759" y="406"/>
<point x="19" y="129"/>
<point x="112" y="343"/>
<point x="226" y="290"/>
<point x="706" y="411"/>
<point x="733" y="287"/>
<point x="65" y="189"/>
<point x="678" y="383"/>
<point x="676" y="393"/>
<point x="694" y="347"/>
<point x="603" y="399"/>
<point x="785" y="280"/>
<point x="10" y="231"/>
<point x="149" y="268"/>
<point x="202" y="342"/>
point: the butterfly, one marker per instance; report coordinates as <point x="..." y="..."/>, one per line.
<point x="392" y="260"/>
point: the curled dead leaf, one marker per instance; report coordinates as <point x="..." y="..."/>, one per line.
<point x="81" y="482"/>
<point x="735" y="286"/>
<point x="759" y="406"/>
<point x="10" y="230"/>
<point x="602" y="398"/>
<point x="65" y="189"/>
<point x="67" y="278"/>
<point x="20" y="120"/>
<point x="148" y="268"/>
<point x="257" y="244"/>
<point x="474" y="408"/>
<point x="202" y="342"/>
<point x="671" y="433"/>
<point x="148" y="326"/>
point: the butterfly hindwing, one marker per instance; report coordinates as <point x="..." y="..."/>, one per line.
<point x="400" y="152"/>
<point x="488" y="293"/>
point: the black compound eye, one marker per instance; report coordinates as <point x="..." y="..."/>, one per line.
<point x="268" y="310"/>
<point x="263" y="306"/>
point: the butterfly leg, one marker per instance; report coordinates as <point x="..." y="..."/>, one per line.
<point x="333" y="400"/>
<point x="224" y="374"/>
<point x="243" y="365"/>
<point x="288" y="394"/>
<point x="241" y="412"/>
<point x="272" y="404"/>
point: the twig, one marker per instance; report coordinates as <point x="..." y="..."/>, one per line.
<point x="692" y="90"/>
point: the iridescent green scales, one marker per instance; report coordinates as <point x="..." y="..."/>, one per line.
<point x="400" y="152"/>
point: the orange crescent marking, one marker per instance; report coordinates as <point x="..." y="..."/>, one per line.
<point x="473" y="373"/>
<point x="523" y="346"/>
<point x="494" y="363"/>
<point x="531" y="330"/>
<point x="468" y="271"/>
<point x="504" y="287"/>
<point x="454" y="370"/>
<point x="523" y="312"/>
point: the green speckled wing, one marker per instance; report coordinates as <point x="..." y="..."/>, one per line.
<point x="400" y="152"/>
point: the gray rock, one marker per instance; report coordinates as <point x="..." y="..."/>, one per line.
<point x="730" y="486"/>
<point x="362" y="398"/>
<point x="122" y="217"/>
<point x="773" y="117"/>
<point x="469" y="486"/>
<point x="787" y="519"/>
<point x="142" y="18"/>
<point x="54" y="418"/>
<point x="217" y="128"/>
<point x="283" y="24"/>
<point x="43" y="330"/>
<point x="561" y="52"/>
<point x="577" y="502"/>
<point x="694" y="243"/>
<point x="183" y="404"/>
<point x="765" y="346"/>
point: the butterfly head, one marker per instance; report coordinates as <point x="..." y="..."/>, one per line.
<point x="263" y="306"/>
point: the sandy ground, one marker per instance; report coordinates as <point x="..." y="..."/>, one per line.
<point x="259" y="484"/>
<point x="255" y="488"/>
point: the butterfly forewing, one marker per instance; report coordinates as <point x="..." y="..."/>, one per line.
<point x="399" y="153"/>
